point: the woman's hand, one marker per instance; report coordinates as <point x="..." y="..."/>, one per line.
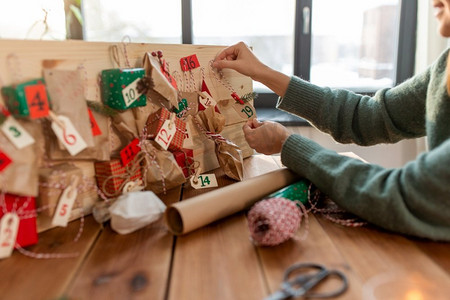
<point x="265" y="137"/>
<point x="240" y="58"/>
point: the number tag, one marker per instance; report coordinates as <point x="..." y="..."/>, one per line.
<point x="204" y="181"/>
<point x="69" y="136"/>
<point x="189" y="63"/>
<point x="188" y="141"/>
<point x="246" y="111"/>
<point x="207" y="100"/>
<point x="130" y="93"/>
<point x="37" y="101"/>
<point x="94" y="125"/>
<point x="165" y="134"/>
<point x="65" y="204"/>
<point x="128" y="153"/>
<point x="16" y="133"/>
<point x="4" y="161"/>
<point x="9" y="226"/>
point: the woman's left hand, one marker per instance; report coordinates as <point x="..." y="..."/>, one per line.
<point x="265" y="137"/>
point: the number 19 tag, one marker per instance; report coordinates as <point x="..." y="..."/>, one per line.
<point x="166" y="134"/>
<point x="204" y="181"/>
<point x="9" y="226"/>
<point x="16" y="133"/>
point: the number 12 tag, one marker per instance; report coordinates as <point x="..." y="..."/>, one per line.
<point x="9" y="226"/>
<point x="69" y="136"/>
<point x="166" y="134"/>
<point x="204" y="181"/>
<point x="16" y="133"/>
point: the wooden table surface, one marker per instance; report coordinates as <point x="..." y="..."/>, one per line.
<point x="219" y="261"/>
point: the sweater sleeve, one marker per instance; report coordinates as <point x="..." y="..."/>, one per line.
<point x="412" y="200"/>
<point x="387" y="117"/>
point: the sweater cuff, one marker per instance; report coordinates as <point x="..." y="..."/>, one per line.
<point x="297" y="153"/>
<point x="302" y="98"/>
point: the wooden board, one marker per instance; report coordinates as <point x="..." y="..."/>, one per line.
<point x="127" y="266"/>
<point x="22" y="277"/>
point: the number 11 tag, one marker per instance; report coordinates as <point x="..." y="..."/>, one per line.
<point x="65" y="204"/>
<point x="16" y="133"/>
<point x="166" y="134"/>
<point x="204" y="181"/>
<point x="9" y="226"/>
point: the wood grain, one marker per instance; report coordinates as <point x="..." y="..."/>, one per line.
<point x="135" y="265"/>
<point x="22" y="277"/>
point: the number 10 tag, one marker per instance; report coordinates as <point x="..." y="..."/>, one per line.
<point x="130" y="93"/>
<point x="204" y="181"/>
<point x="166" y="134"/>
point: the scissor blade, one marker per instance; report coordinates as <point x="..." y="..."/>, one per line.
<point x="279" y="295"/>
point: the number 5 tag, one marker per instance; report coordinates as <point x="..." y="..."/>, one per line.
<point x="16" y="133"/>
<point x="9" y="226"/>
<point x="204" y="181"/>
<point x="166" y="134"/>
<point x="65" y="204"/>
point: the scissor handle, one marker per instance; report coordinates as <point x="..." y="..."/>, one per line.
<point x="307" y="282"/>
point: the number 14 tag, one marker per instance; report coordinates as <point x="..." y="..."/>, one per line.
<point x="204" y="181"/>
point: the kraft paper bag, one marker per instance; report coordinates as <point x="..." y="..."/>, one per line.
<point x="21" y="176"/>
<point x="66" y="92"/>
<point x="124" y="129"/>
<point x="228" y="154"/>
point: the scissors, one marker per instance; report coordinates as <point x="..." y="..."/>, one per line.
<point x="309" y="276"/>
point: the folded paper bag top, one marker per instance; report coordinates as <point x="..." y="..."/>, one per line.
<point x="135" y="210"/>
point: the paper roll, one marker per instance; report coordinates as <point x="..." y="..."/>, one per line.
<point x="188" y="215"/>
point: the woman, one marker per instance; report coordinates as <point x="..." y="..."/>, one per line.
<point x="414" y="199"/>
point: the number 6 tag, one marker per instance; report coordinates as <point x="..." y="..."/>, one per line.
<point x="166" y="134"/>
<point x="68" y="135"/>
<point x="9" y="226"/>
<point x="204" y="181"/>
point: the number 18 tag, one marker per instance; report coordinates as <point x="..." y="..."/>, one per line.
<point x="9" y="226"/>
<point x="166" y="134"/>
<point x="16" y="133"/>
<point x="204" y="181"/>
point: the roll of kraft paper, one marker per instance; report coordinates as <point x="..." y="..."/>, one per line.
<point x="190" y="214"/>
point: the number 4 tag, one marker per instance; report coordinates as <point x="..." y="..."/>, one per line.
<point x="204" y="181"/>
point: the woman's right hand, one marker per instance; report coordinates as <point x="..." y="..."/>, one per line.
<point x="240" y="58"/>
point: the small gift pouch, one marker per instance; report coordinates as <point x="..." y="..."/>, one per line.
<point x="167" y="135"/>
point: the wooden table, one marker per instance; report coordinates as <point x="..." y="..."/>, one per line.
<point x="218" y="261"/>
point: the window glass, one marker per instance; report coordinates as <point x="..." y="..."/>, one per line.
<point x="148" y="21"/>
<point x="265" y="25"/>
<point x="354" y="43"/>
<point x="38" y="19"/>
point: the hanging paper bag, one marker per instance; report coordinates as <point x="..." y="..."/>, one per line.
<point x="161" y="171"/>
<point x="228" y="154"/>
<point x="124" y="129"/>
<point x="67" y="93"/>
<point x="20" y="177"/>
<point x="162" y="86"/>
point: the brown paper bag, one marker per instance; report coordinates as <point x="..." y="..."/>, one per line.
<point x="192" y="103"/>
<point x="141" y="114"/>
<point x="21" y="177"/>
<point x="161" y="171"/>
<point x="67" y="98"/>
<point x="124" y="129"/>
<point x="161" y="84"/>
<point x="228" y="154"/>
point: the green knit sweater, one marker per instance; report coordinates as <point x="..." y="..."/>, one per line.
<point x="414" y="199"/>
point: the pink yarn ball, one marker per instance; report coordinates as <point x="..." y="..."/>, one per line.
<point x="273" y="221"/>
